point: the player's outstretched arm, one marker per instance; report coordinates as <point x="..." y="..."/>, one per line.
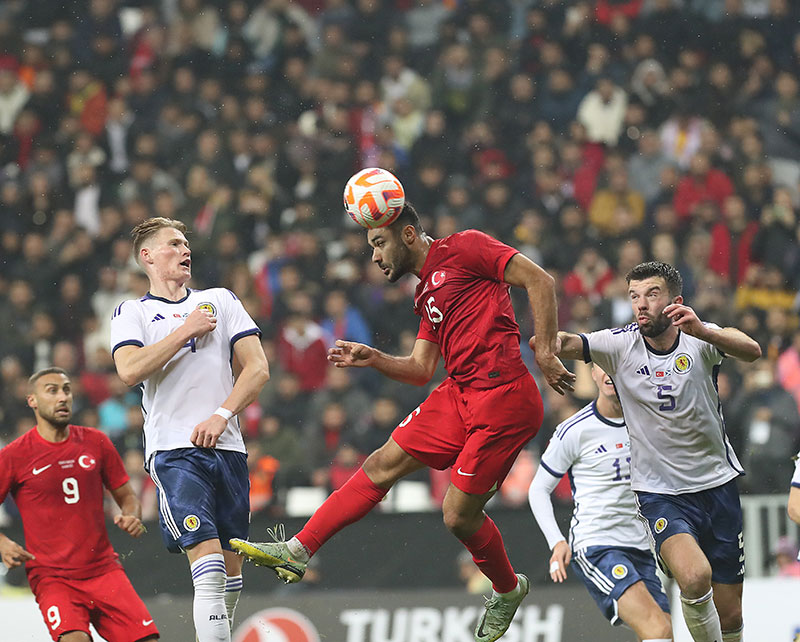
<point x="731" y="341"/>
<point x="568" y="346"/>
<point x="130" y="519"/>
<point x="539" y="498"/>
<point x="252" y="377"/>
<point x="416" y="369"/>
<point x="135" y="364"/>
<point x="12" y="553"/>
<point x="540" y="286"/>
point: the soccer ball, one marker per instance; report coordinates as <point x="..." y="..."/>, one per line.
<point x="374" y="197"/>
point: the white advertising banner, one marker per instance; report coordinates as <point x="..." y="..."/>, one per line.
<point x="550" y="614"/>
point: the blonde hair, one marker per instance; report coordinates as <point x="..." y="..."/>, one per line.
<point x="151" y="226"/>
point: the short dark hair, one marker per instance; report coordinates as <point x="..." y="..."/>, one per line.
<point x="45" y="371"/>
<point x="656" y="268"/>
<point x="408" y="216"/>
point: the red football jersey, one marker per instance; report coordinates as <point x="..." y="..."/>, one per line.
<point x="58" y="488"/>
<point x="466" y="308"/>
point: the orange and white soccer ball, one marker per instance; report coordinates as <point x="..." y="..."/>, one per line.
<point x="374" y="197"/>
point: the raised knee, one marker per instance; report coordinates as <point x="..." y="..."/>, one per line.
<point x="457" y="523"/>
<point x="372" y="465"/>
<point x="452" y="519"/>
<point x="377" y="468"/>
<point x="695" y="583"/>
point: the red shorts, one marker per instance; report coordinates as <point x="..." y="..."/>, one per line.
<point x="107" y="601"/>
<point x="477" y="432"/>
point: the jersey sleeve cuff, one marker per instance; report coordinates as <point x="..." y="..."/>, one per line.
<point x="243" y="334"/>
<point x="503" y="263"/>
<point x="587" y="355"/>
<point x="119" y="483"/>
<point x="796" y="484"/>
<point x="127" y="342"/>
<point x="554" y="473"/>
<point x="428" y="336"/>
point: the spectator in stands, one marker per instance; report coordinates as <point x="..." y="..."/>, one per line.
<point x="113" y="411"/>
<point x="517" y="113"/>
<point x="142" y="484"/>
<point x="785" y="558"/>
<point x="302" y="346"/>
<point x="774" y="243"/>
<point x="618" y="208"/>
<point x="680" y="136"/>
<point x="787" y="369"/>
<point x="764" y="289"/>
<point x="262" y="469"/>
<point x="767" y="422"/>
<point x="590" y="276"/>
<point x="289" y="402"/>
<point x="602" y="111"/>
<point x="731" y="241"/>
<point x="13" y="93"/>
<point x="284" y="444"/>
<point x="779" y="123"/>
<point x="240" y="117"/>
<point x="644" y="167"/>
<point x="340" y="388"/>
<point x="346" y="462"/>
<point x="559" y="99"/>
<point x="326" y="437"/>
<point x="702" y="183"/>
<point x="373" y="430"/>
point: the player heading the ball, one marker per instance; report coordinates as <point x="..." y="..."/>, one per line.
<point x="475" y="422"/>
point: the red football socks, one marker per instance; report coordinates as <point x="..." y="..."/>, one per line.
<point x="489" y="553"/>
<point x="350" y="503"/>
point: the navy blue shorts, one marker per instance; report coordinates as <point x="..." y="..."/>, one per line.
<point x="608" y="571"/>
<point x="713" y="517"/>
<point x="203" y="494"/>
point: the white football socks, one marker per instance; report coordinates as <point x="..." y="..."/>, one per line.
<point x="209" y="609"/>
<point x="733" y="636"/>
<point x="233" y="589"/>
<point x="701" y="618"/>
<point x="299" y="551"/>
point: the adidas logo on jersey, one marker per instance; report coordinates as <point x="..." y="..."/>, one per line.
<point x="158" y="317"/>
<point x="601" y="449"/>
<point x="644" y="370"/>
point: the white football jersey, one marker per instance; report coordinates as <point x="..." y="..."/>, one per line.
<point x="595" y="452"/>
<point x="672" y="408"/>
<point x="195" y="382"/>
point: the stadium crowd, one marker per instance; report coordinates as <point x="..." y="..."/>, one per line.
<point x="591" y="135"/>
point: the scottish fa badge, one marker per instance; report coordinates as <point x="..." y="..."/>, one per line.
<point x="683" y="363"/>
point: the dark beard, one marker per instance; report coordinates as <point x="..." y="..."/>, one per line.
<point x="401" y="267"/>
<point x="657" y="327"/>
<point x="58" y="422"/>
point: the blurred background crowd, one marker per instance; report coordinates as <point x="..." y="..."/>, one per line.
<point x="591" y="135"/>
